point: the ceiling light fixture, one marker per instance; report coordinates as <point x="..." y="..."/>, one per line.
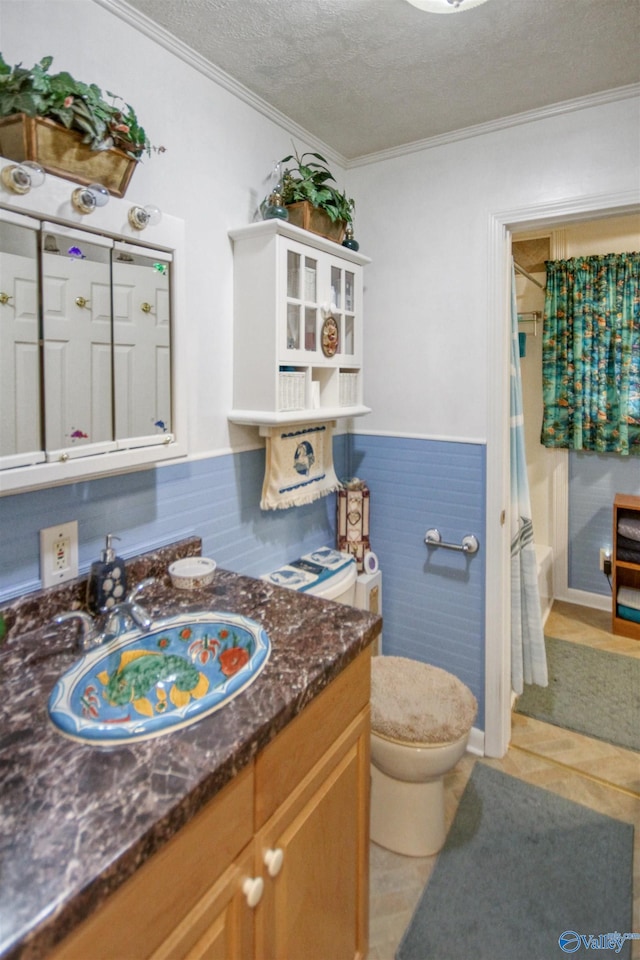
<point x="445" y="6"/>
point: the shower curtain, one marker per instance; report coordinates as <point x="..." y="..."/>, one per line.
<point x="528" y="655"/>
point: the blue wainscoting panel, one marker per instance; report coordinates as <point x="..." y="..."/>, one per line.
<point x="594" y="480"/>
<point x="217" y="499"/>
<point x="433" y="600"/>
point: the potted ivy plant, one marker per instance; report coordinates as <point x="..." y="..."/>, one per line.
<point x="68" y="126"/>
<point x="312" y="201"/>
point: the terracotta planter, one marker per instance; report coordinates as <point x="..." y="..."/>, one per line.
<point x="303" y="214"/>
<point x="61" y="152"/>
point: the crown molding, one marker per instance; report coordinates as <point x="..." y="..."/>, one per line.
<point x="139" y="21"/>
<point x="503" y="123"/>
<point x="175" y="46"/>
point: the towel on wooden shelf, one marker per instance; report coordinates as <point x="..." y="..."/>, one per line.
<point x="628" y="549"/>
<point x="629" y="597"/>
<point x="298" y="465"/>
<point x="629" y="527"/>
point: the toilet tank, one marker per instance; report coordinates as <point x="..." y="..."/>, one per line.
<point x="324" y="572"/>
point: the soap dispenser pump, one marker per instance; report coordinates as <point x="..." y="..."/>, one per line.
<point x="107" y="580"/>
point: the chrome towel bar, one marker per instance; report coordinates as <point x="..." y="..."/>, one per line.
<point x="469" y="543"/>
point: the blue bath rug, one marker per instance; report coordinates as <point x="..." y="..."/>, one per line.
<point x="523" y="874"/>
<point x="590" y="691"/>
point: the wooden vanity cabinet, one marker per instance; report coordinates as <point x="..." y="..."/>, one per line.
<point x="197" y="874"/>
<point x="295" y="822"/>
<point x="312" y="814"/>
<point x="220" y="927"/>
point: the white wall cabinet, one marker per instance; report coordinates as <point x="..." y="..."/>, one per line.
<point x="298" y="329"/>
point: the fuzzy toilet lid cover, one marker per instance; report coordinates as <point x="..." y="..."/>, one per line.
<point x="419" y="703"/>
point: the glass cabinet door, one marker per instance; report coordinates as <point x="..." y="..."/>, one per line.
<point x="343" y="308"/>
<point x="293" y="301"/>
<point x="349" y="313"/>
<point x="302" y="303"/>
<point x="336" y="288"/>
<point x="320" y="321"/>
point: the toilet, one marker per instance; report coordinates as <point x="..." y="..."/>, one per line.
<point x="421" y="718"/>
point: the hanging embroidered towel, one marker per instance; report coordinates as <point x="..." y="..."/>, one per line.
<point x="299" y="465"/>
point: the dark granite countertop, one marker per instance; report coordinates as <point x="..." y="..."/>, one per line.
<point x="77" y="820"/>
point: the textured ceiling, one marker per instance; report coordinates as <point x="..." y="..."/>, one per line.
<point x="365" y="76"/>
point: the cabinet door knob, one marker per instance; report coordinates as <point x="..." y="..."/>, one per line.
<point x="328" y="309"/>
<point x="273" y="861"/>
<point x="253" y="888"/>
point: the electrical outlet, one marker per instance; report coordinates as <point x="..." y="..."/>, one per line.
<point x="59" y="553"/>
<point x="605" y="559"/>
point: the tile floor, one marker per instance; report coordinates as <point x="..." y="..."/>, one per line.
<point x="591" y="772"/>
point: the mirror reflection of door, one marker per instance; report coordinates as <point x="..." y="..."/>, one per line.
<point x="141" y="342"/>
<point x="76" y="289"/>
<point x="85" y="343"/>
<point x="20" y="419"/>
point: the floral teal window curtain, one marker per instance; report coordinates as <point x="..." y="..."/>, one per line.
<point x="591" y="354"/>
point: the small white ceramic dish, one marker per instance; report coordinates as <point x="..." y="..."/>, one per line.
<point x="192" y="572"/>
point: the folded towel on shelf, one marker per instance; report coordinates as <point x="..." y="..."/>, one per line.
<point x="628" y="613"/>
<point x="628" y="549"/>
<point x="628" y="543"/>
<point x="629" y="597"/>
<point x="629" y="527"/>
<point x="628" y="556"/>
<point x="298" y="465"/>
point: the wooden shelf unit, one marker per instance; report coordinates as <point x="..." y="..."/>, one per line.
<point x="625" y="573"/>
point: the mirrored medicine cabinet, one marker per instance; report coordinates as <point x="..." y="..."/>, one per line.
<point x="88" y="349"/>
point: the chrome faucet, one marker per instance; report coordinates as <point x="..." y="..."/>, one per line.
<point x="112" y="621"/>
<point x="129" y="612"/>
<point x="89" y="633"/>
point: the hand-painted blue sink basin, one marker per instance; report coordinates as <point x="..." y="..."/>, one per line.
<point x="143" y="685"/>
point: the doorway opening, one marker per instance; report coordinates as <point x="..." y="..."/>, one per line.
<point x="503" y="226"/>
